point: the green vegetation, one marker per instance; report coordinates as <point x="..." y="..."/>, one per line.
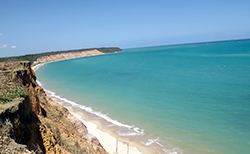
<point x="33" y="57"/>
<point x="10" y="95"/>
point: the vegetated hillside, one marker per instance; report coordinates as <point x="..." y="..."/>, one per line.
<point x="33" y="57"/>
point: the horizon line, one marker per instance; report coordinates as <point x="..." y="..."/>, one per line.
<point x="216" y="41"/>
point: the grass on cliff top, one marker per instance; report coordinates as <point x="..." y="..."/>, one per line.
<point x="11" y="94"/>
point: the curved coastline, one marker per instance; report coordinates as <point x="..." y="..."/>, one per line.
<point x="108" y="141"/>
<point x="128" y="138"/>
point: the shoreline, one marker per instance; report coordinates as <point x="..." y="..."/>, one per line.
<point x="110" y="142"/>
<point x="101" y="129"/>
<point x="106" y="129"/>
<point x="107" y="140"/>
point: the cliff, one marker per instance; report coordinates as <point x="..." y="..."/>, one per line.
<point x="33" y="57"/>
<point x="30" y="122"/>
<point x="69" y="55"/>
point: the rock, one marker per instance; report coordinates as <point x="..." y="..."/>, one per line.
<point x="37" y="122"/>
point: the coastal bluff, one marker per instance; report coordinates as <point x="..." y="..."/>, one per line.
<point x="31" y="122"/>
<point x="69" y="55"/>
<point x="61" y="55"/>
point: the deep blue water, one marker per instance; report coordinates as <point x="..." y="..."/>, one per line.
<point x="192" y="98"/>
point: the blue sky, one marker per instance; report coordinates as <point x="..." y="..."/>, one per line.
<point x="33" y="26"/>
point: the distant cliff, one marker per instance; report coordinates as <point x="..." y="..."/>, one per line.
<point x="68" y="55"/>
<point x="31" y="122"/>
<point x="34" y="57"/>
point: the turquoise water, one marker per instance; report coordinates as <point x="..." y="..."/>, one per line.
<point x="192" y="98"/>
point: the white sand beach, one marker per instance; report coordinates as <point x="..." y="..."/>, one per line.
<point x="109" y="142"/>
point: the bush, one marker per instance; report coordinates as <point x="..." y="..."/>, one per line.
<point x="10" y="95"/>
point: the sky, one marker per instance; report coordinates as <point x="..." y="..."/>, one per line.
<point x="35" y="26"/>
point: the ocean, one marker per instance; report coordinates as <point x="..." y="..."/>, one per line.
<point x="190" y="98"/>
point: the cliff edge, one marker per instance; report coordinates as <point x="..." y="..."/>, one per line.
<point x="31" y="122"/>
<point x="68" y="55"/>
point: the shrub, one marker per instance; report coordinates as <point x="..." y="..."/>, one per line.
<point x="10" y="95"/>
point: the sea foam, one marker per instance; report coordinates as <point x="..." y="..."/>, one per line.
<point x="126" y="130"/>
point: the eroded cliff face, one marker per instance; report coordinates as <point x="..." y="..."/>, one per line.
<point x="37" y="123"/>
<point x="69" y="55"/>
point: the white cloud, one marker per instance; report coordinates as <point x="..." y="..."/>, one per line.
<point x="1" y="35"/>
<point x="13" y="47"/>
<point x="4" y="46"/>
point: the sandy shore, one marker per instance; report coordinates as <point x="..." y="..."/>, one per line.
<point x="110" y="143"/>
